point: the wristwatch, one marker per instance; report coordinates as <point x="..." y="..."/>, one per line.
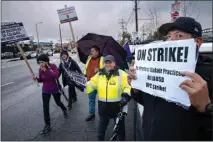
<point x="209" y="109"/>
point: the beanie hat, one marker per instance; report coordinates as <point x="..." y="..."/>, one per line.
<point x="64" y="52"/>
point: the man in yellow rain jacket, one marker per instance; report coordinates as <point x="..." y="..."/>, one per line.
<point x="113" y="93"/>
<point x="93" y="64"/>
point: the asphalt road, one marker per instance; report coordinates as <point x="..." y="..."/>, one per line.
<point x="22" y="111"/>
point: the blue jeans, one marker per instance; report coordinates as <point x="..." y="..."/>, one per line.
<point x="92" y="98"/>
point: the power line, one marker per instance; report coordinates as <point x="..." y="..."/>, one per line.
<point x="130" y="17"/>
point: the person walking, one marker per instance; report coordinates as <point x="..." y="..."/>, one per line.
<point x="70" y="65"/>
<point x="93" y="64"/>
<point x="113" y="92"/>
<point x="48" y="74"/>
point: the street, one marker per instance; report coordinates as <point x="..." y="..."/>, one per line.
<point x="22" y="110"/>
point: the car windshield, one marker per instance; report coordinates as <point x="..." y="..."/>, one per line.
<point x="28" y="52"/>
<point x="45" y="51"/>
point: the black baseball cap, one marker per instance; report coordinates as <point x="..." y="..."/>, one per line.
<point x="109" y="58"/>
<point x="185" y="24"/>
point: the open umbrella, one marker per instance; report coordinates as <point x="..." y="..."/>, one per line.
<point x="108" y="46"/>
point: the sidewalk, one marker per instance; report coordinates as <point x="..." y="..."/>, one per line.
<point x="75" y="128"/>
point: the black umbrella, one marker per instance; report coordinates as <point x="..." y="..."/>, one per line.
<point x="108" y="46"/>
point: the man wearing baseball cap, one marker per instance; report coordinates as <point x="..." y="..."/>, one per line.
<point x="113" y="94"/>
<point x="164" y="120"/>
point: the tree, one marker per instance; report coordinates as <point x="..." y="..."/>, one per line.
<point x="150" y="36"/>
<point x="158" y="36"/>
<point x="155" y="21"/>
<point x="190" y="9"/>
<point x="155" y="36"/>
<point x="127" y="36"/>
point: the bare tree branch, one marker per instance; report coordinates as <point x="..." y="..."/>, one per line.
<point x="189" y="8"/>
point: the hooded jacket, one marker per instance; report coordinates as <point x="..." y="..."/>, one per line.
<point x="48" y="78"/>
<point x="167" y="121"/>
<point x="71" y="65"/>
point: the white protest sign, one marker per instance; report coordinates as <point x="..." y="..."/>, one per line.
<point x="158" y="67"/>
<point x="13" y="33"/>
<point x="78" y="78"/>
<point x="67" y="14"/>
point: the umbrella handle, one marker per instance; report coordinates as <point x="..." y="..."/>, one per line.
<point x="113" y="138"/>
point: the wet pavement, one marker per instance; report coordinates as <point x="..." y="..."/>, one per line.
<point x="22" y="111"/>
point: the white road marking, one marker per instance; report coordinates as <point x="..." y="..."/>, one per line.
<point x="7" y="84"/>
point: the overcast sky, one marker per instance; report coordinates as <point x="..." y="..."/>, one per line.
<point x="100" y="17"/>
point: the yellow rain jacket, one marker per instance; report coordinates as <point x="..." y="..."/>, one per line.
<point x="101" y="64"/>
<point x="109" y="89"/>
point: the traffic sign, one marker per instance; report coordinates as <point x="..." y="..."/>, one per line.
<point x="175" y="10"/>
<point x="176" y="6"/>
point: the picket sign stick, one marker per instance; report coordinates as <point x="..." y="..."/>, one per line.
<point x="73" y="37"/>
<point x="26" y="61"/>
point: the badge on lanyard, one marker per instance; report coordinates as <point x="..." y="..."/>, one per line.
<point x="112" y="82"/>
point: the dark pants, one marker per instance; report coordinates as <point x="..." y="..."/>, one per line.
<point x="103" y="123"/>
<point x="46" y="101"/>
<point x="72" y="93"/>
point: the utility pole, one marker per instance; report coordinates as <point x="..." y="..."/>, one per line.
<point x="184" y="8"/>
<point x="37" y="35"/>
<point x="136" y="15"/>
<point x="135" y="104"/>
<point x="73" y="36"/>
<point x="37" y="32"/>
<point x="60" y="35"/>
<point x="143" y="32"/>
<point x="122" y="22"/>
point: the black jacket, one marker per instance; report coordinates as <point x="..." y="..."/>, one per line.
<point x="167" y="121"/>
<point x="73" y="66"/>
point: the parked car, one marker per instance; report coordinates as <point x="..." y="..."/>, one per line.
<point x="48" y="52"/>
<point x="29" y="55"/>
<point x="73" y="51"/>
<point x="8" y="55"/>
<point x="206" y="49"/>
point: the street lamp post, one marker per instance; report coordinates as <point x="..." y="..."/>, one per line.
<point x="37" y="32"/>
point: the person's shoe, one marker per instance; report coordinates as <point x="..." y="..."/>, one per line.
<point x="90" y="117"/>
<point x="69" y="106"/>
<point x="74" y="100"/>
<point x="65" y="113"/>
<point x="47" y="128"/>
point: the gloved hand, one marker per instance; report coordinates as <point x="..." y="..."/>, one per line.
<point x="123" y="102"/>
<point x="125" y="99"/>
